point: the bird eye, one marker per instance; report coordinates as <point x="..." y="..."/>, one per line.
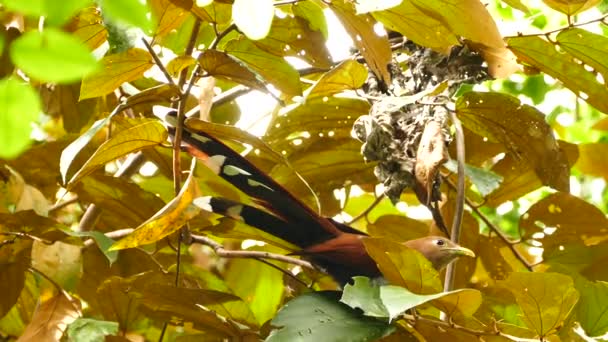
<point x="440" y="242"/>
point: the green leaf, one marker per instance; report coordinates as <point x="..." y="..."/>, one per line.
<point x="168" y="220"/>
<point x="484" y="180"/>
<point x="221" y="65"/>
<point x="259" y="285"/>
<point x="571" y="7"/>
<point x="55" y="12"/>
<point x="318" y="316"/>
<point x="131" y="12"/>
<point x="365" y="6"/>
<point x="546" y="299"/>
<point x="102" y="241"/>
<point x="254" y="18"/>
<point x="542" y="54"/>
<point x="403" y="266"/>
<point x="589" y="47"/>
<point x="522" y="129"/>
<point x="142" y="134"/>
<point x="591" y="309"/>
<point x="90" y="330"/>
<point x="52" y="56"/>
<point x="365" y="295"/>
<point x="313" y="14"/>
<point x="274" y="69"/>
<point x="115" y="70"/>
<point x="19" y="107"/>
<point x="348" y="75"/>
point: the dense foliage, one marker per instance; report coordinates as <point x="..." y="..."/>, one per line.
<point x="100" y="234"/>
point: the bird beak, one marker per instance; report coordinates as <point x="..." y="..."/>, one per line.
<point x="462" y="251"/>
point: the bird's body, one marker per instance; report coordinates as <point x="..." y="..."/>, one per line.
<point x="336" y="247"/>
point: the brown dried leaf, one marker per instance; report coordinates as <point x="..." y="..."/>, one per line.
<point x="51" y="319"/>
<point x="431" y="154"/>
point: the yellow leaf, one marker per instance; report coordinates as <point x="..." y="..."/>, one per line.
<point x="168" y="220"/>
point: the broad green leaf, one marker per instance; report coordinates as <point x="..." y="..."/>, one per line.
<point x="51" y="318"/>
<point x="203" y="308"/>
<point x="253" y="17"/>
<point x="168" y="15"/>
<point x="143" y="134"/>
<point x="591" y="309"/>
<point x="313" y="14"/>
<point x="571" y="218"/>
<point x="591" y="161"/>
<point x="348" y="75"/>
<point x="19" y="108"/>
<point x="571" y="7"/>
<point x="259" y="285"/>
<point x="542" y="54"/>
<point x="484" y="180"/>
<point x="375" y="49"/>
<point x="522" y="129"/>
<point x="403" y="266"/>
<point x="318" y="316"/>
<point x="90" y="330"/>
<point x="52" y="56"/>
<point x="168" y="220"/>
<point x="102" y="241"/>
<point x="292" y="36"/>
<point x="115" y="70"/>
<point x="423" y="29"/>
<point x="116" y="196"/>
<point x="216" y="12"/>
<point x="517" y="4"/>
<point x="365" y="295"/>
<point x="221" y="65"/>
<point x="546" y="299"/>
<point x="88" y="28"/>
<point x="131" y="12"/>
<point x="274" y="69"/>
<point x="12" y="280"/>
<point x="590" y="48"/>
<point x="55" y="12"/>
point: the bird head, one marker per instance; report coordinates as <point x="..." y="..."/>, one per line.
<point x="438" y="250"/>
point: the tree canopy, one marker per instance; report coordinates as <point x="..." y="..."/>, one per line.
<point x="400" y="118"/>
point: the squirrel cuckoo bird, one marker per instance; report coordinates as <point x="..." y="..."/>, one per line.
<point x="334" y="246"/>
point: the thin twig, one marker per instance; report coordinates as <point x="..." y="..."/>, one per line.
<point x="221" y="252"/>
<point x="495" y="332"/>
<point x="547" y="33"/>
<point x="63" y="204"/>
<point x="28" y="236"/>
<point x="157" y="61"/>
<point x="450" y="273"/>
<point x="510" y="243"/>
<point x="57" y="286"/>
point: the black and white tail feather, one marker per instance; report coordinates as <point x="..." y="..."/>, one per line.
<point x="287" y="217"/>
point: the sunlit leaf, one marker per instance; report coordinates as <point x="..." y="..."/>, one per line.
<point x="221" y="65"/>
<point x="168" y="220"/>
<point x="253" y="17"/>
<point x="102" y="241"/>
<point x="168" y="15"/>
<point x="376" y="49"/>
<point x="51" y="319"/>
<point x="176" y="65"/>
<point x="142" y="134"/>
<point x="52" y="56"/>
<point x="131" y="12"/>
<point x="313" y="14"/>
<point x="517" y="4"/>
<point x="88" y="27"/>
<point x="522" y="129"/>
<point x="591" y="310"/>
<point x="319" y="316"/>
<point x="61" y="261"/>
<point x="272" y="68"/>
<point x="365" y="6"/>
<point x="90" y="330"/>
<point x="546" y="299"/>
<point x="55" y="12"/>
<point x="563" y="218"/>
<point x="260" y="285"/>
<point x="115" y="70"/>
<point x="541" y="54"/>
<point x="590" y="48"/>
<point x="348" y="75"/>
<point x="425" y="30"/>
<point x="397" y="227"/>
<point x="485" y="181"/>
<point x="571" y="7"/>
<point x="214" y="12"/>
<point x="292" y="36"/>
<point x="404" y="266"/>
<point x="20" y="107"/>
